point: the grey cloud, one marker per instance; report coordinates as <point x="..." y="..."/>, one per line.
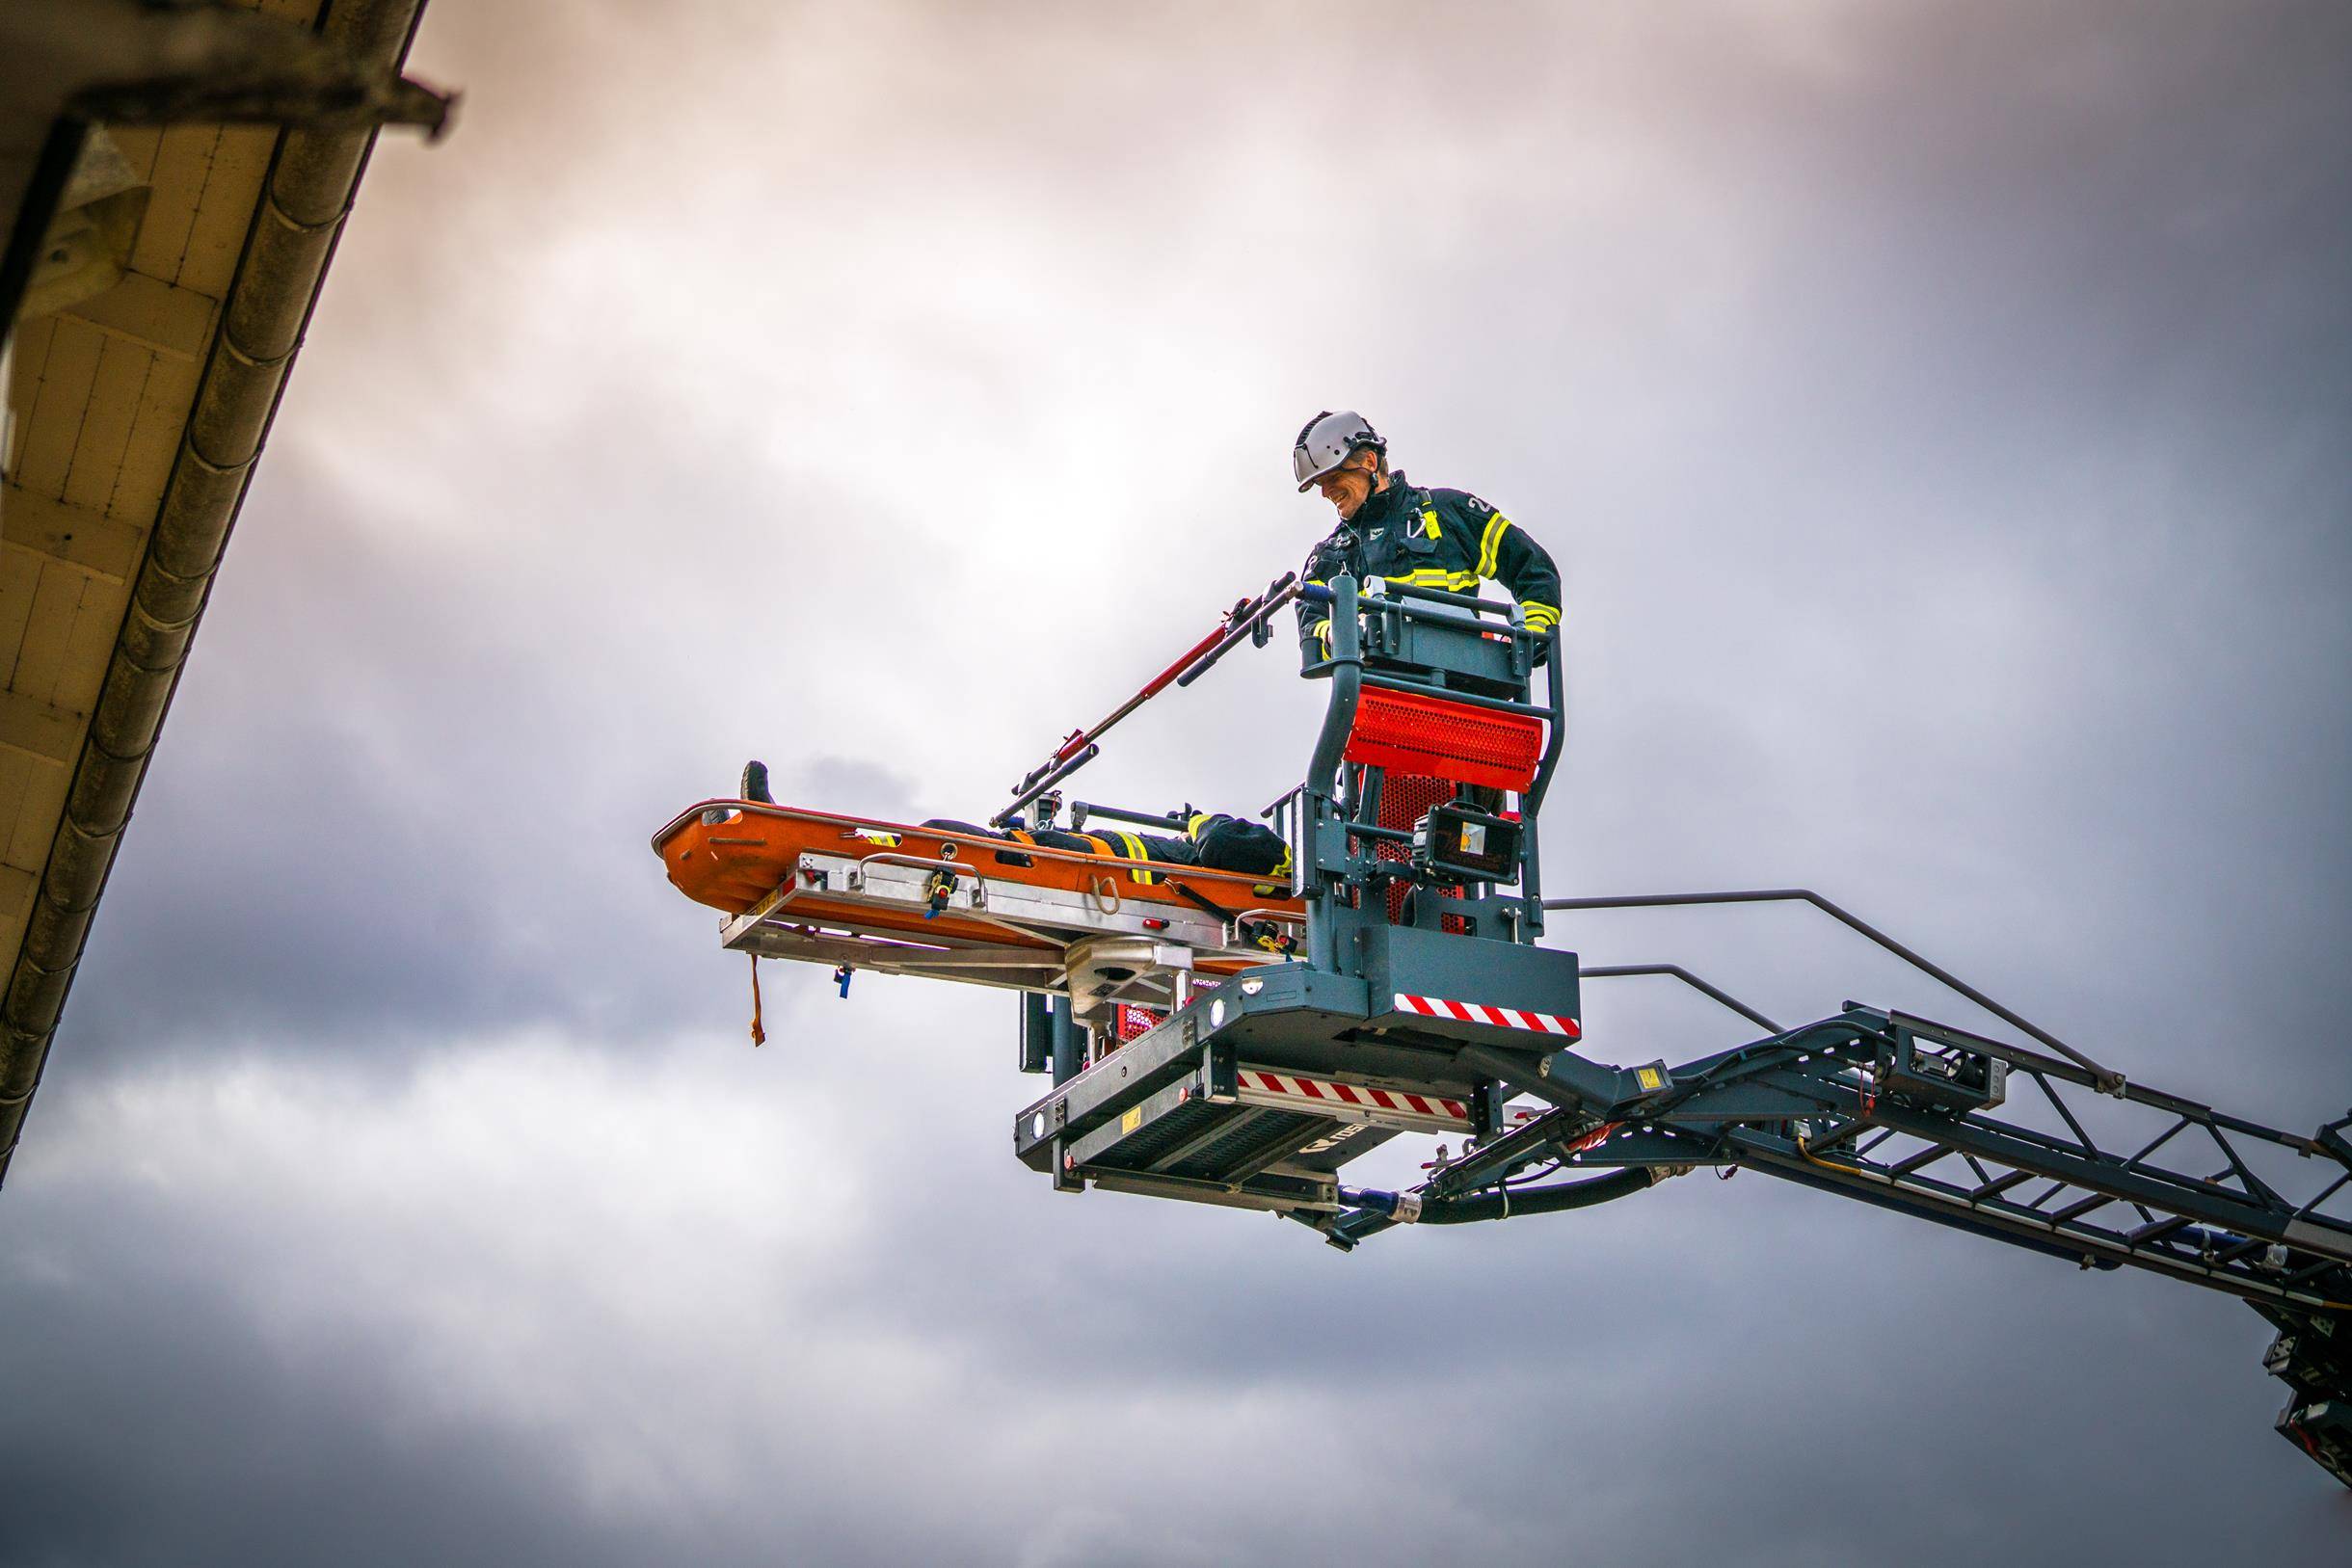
<point x="1324" y="1402"/>
<point x="1937" y="412"/>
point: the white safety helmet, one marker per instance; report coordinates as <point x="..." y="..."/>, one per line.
<point x="1328" y="441"/>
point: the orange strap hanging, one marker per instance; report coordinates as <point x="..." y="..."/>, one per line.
<point x="758" y="1035"/>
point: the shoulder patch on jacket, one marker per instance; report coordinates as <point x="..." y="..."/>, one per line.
<point x="1463" y="502"/>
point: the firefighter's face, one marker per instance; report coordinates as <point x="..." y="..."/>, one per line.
<point x="1352" y="483"/>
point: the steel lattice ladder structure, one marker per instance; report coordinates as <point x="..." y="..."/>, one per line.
<point x="1901" y="1112"/>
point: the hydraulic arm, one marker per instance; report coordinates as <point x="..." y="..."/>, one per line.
<point x="1900" y="1111"/>
<point x="1970" y="1133"/>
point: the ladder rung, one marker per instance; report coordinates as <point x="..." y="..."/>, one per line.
<point x="2081" y="1206"/>
<point x="1999" y="1184"/>
<point x="1925" y="1156"/>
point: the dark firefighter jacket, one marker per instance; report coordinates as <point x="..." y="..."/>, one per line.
<point x="1435" y="539"/>
<point x="1212" y="839"/>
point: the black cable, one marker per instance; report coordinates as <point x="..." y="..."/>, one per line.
<point x="1544" y="1200"/>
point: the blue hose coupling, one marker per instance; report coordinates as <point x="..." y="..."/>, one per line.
<point x="1404" y="1208"/>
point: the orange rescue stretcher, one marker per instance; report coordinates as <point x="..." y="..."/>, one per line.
<point x="1123" y="939"/>
<point x="865" y="894"/>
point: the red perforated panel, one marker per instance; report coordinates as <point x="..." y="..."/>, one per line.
<point x="1414" y="733"/>
<point x="1406" y="798"/>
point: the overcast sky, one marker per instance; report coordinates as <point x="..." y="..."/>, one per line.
<point x="1939" y="414"/>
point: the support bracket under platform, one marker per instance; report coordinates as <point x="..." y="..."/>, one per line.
<point x="1277" y="1079"/>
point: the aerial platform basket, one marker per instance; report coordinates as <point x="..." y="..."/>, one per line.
<point x="1255" y="1092"/>
<point x="1422" y="994"/>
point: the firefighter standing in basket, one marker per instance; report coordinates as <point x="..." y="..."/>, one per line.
<point x="1389" y="527"/>
<point x="1393" y="528"/>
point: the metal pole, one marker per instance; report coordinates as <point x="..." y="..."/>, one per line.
<point x="2107" y="1080"/>
<point x="1237" y="625"/>
<point x="1615" y="971"/>
<point x="1032" y="791"/>
<point x="1068" y="1043"/>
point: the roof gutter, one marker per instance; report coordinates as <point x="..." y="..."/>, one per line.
<point x="305" y="196"/>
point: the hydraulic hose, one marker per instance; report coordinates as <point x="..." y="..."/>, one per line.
<point x="1376" y="1210"/>
<point x="1550" y="1199"/>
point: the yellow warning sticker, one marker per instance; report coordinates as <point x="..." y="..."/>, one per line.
<point x="1650" y="1078"/>
<point x="1132" y="1120"/>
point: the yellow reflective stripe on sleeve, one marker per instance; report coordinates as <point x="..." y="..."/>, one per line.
<point x="1490" y="542"/>
<point x="1429" y="521"/>
<point x="1134" y="852"/>
<point x="1200" y="819"/>
<point x="1540" y="617"/>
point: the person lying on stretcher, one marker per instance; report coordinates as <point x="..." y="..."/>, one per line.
<point x="1213" y="840"/>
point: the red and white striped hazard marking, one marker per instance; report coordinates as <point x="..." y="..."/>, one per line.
<point x="1506" y="1018"/>
<point x="1334" y="1098"/>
